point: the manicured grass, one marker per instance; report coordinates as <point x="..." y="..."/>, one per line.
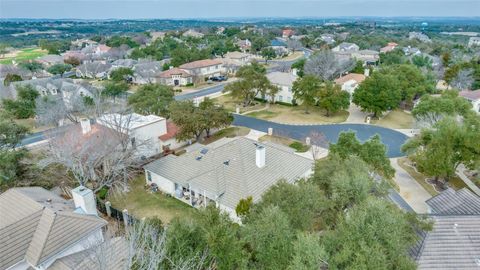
<point x="231" y="104"/>
<point x="296" y="115"/>
<point x="298" y="146"/>
<point x="456" y="183"/>
<point x="396" y="119"/>
<point x="229" y="132"/>
<point x="141" y="202"/>
<point x="23" y="55"/>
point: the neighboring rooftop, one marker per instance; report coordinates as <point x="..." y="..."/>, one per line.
<point x="37" y="224"/>
<point x="351" y="76"/>
<point x="174" y="71"/>
<point x="133" y="120"/>
<point x="201" y="63"/>
<point x="227" y="169"/>
<point x="282" y="78"/>
<point x="471" y="95"/>
<point x="451" y="202"/>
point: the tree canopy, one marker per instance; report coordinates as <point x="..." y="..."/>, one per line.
<point x="152" y="99"/>
<point x="24" y="106"/>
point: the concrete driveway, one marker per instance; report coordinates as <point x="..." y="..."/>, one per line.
<point x="410" y="190"/>
<point x="356" y="115"/>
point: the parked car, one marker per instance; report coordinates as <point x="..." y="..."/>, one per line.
<point x="220" y="78"/>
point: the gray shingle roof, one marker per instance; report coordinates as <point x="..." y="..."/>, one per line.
<point x="451" y="202"/>
<point x="237" y="180"/>
<point x="454" y="243"/>
<point x="38" y="225"/>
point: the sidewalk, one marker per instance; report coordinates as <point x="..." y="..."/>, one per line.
<point x="411" y="191"/>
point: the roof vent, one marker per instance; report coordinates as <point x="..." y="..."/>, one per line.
<point x="226" y="162"/>
<point x="49" y="200"/>
<point x="198" y="158"/>
<point x="204" y="151"/>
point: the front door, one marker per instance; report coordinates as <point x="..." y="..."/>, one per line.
<point x="176" y="82"/>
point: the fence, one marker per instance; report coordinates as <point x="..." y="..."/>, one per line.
<point x="119" y="215"/>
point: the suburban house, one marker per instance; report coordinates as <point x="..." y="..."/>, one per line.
<point x="390" y="47"/>
<point x="151" y="134"/>
<point x="473" y="97"/>
<point x="157" y="35"/>
<point x="327" y="38"/>
<point x="453" y="243"/>
<point x="93" y="70"/>
<point x="368" y="57"/>
<point x="411" y="51"/>
<point x="232" y="61"/>
<point x="101" y="49"/>
<point x="204" y="68"/>
<point x="287" y="33"/>
<point x="38" y="227"/>
<point x="192" y="33"/>
<point x="175" y="77"/>
<point x="474" y="41"/>
<point x="124" y="63"/>
<point x="146" y="72"/>
<point x="346" y="47"/>
<point x="350" y="82"/>
<point x="284" y="81"/>
<point x="419" y="36"/>
<point x="244" y="45"/>
<point x="50" y="60"/>
<point x="279" y="46"/>
<point x="226" y="171"/>
<point x="74" y="55"/>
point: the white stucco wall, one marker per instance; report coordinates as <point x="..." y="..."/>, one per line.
<point x="163" y="184"/>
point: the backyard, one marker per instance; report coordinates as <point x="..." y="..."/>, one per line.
<point x="229" y="132"/>
<point x="296" y="115"/>
<point x="22" y="55"/>
<point x="141" y="202"/>
<point x="298" y="146"/>
<point x="396" y="119"/>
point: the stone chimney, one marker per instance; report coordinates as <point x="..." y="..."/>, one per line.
<point x="260" y="156"/>
<point x="86" y="128"/>
<point x="366" y="72"/>
<point x="84" y="200"/>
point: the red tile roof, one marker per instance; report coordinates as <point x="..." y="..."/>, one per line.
<point x="172" y="131"/>
<point x="201" y="63"/>
<point x="287" y="32"/>
<point x="352" y="76"/>
<point x="174" y="71"/>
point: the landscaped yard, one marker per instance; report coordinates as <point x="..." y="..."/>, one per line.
<point x="231" y="104"/>
<point x="455" y="182"/>
<point x="22" y="55"/>
<point x="296" y="115"/>
<point x="396" y="119"/>
<point x="141" y="202"/>
<point x="298" y="146"/>
<point x="229" y="132"/>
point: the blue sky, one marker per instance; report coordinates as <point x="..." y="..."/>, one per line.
<point x="137" y="9"/>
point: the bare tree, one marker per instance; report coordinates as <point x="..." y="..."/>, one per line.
<point x="326" y="66"/>
<point x="142" y="247"/>
<point x="101" y="154"/>
<point x="294" y="45"/>
<point x="317" y="142"/>
<point x="463" y="80"/>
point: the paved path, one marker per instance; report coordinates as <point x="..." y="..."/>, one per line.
<point x="391" y="138"/>
<point x="410" y="190"/>
<point x="356" y="115"/>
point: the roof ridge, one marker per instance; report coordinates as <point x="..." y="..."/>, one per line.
<point x="49" y="217"/>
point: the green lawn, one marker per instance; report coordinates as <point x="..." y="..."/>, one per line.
<point x="296" y="115"/>
<point x="231" y="104"/>
<point x="229" y="132"/>
<point x="140" y="202"/>
<point x="23" y="55"/>
<point x="396" y="119"/>
<point x="298" y="146"/>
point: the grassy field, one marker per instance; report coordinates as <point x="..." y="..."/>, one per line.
<point x="298" y="146"/>
<point x="456" y="183"/>
<point x="140" y="202"/>
<point x="23" y="55"/>
<point x="297" y="115"/>
<point x="229" y="132"/>
<point x="396" y="119"/>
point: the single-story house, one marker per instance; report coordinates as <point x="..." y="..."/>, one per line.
<point x="175" y="77"/>
<point x="50" y="59"/>
<point x="38" y="227"/>
<point x="411" y="51"/>
<point x="279" y="46"/>
<point x="192" y="33"/>
<point x="473" y="97"/>
<point x="368" y="57"/>
<point x="150" y="133"/>
<point x="390" y="47"/>
<point x="244" y="45"/>
<point x="226" y="171"/>
<point x="454" y="242"/>
<point x="146" y="72"/>
<point x="93" y="70"/>
<point x="327" y="38"/>
<point x="346" y="47"/>
<point x="350" y="82"/>
<point x="124" y="63"/>
<point x="284" y="81"/>
<point x="204" y="68"/>
<point x="474" y="41"/>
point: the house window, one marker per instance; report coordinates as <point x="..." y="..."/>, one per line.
<point x="149" y="176"/>
<point x="289" y="99"/>
<point x="280" y="98"/>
